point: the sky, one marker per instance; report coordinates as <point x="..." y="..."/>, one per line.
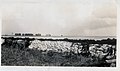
<point x="60" y="17"/>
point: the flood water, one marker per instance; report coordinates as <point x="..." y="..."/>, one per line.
<point x="63" y="37"/>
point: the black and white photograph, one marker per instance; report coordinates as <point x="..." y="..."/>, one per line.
<point x="60" y="33"/>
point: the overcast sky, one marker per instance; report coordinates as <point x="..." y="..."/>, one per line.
<point x="60" y="17"/>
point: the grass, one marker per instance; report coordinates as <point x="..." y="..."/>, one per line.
<point x="17" y="57"/>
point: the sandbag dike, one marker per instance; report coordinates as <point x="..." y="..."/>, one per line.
<point x="56" y="46"/>
<point x="34" y="52"/>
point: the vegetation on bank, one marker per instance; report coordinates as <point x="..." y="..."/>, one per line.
<point x="17" y="53"/>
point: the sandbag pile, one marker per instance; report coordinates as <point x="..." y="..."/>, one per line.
<point x="104" y="52"/>
<point x="56" y="46"/>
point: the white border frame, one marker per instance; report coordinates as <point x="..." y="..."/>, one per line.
<point x="56" y="68"/>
